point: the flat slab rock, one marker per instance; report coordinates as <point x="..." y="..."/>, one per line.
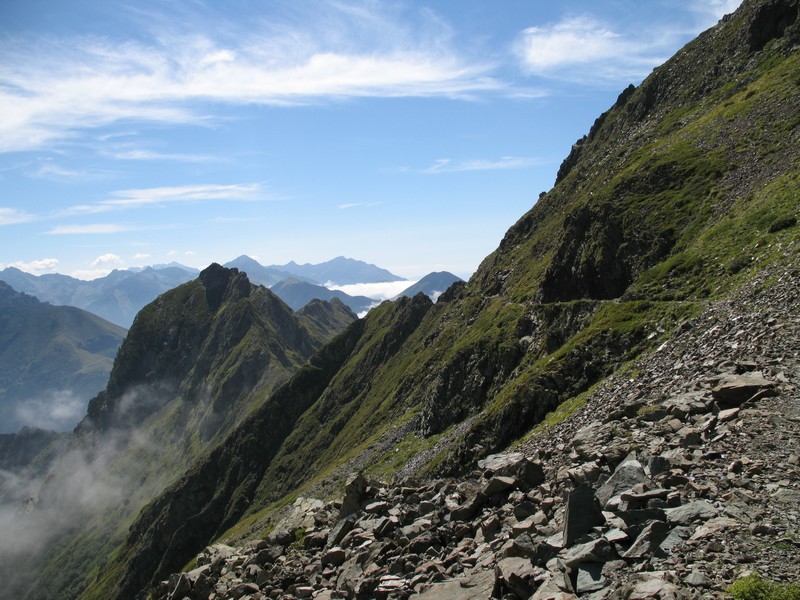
<point x="477" y="586"/>
<point x="733" y="390"/>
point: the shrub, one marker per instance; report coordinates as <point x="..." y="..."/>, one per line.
<point x="755" y="587"/>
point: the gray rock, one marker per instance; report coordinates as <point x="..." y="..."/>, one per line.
<point x="499" y="484"/>
<point x="469" y="508"/>
<point x="595" y="551"/>
<point x="698" y="579"/>
<point x="697" y="510"/>
<point x="354" y="491"/>
<point x="477" y="586"/>
<point x="514" y="464"/>
<point x="582" y="513"/>
<point x="733" y="390"/>
<point x="335" y="556"/>
<point x="341" y="529"/>
<point x="590" y="578"/>
<point x="628" y="474"/>
<point x="516" y="575"/>
<point x="648" y="540"/>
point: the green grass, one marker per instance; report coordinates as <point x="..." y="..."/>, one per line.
<point x="755" y="587"/>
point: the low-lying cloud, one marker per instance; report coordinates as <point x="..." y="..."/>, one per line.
<point x="378" y="291"/>
<point x="58" y="410"/>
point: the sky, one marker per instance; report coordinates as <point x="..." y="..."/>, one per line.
<point x="407" y="134"/>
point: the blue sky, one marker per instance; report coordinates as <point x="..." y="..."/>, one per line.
<point x="406" y="134"/>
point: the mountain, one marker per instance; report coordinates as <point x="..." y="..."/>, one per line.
<point x="299" y="293"/>
<point x="339" y="271"/>
<point x="603" y="339"/>
<point x="681" y="193"/>
<point x="117" y="297"/>
<point x="53" y="359"/>
<point x="170" y="265"/>
<point x="195" y="363"/>
<point x="432" y="285"/>
<point x="257" y="273"/>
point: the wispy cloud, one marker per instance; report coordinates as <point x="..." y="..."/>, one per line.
<point x="349" y="205"/>
<point x="91" y="229"/>
<point x="162" y="156"/>
<point x="586" y="48"/>
<point x="51" y="89"/>
<point x="186" y="193"/>
<point x="713" y="10"/>
<point x="14" y="216"/>
<point x="446" y="165"/>
<point x="582" y="48"/>
<point x="56" y="172"/>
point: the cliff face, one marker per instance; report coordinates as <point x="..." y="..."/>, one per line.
<point x="683" y="191"/>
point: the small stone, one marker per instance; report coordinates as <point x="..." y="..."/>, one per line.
<point x="698" y="579"/>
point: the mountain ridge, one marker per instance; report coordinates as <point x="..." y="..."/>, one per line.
<point x="682" y="194"/>
<point x="522" y="337"/>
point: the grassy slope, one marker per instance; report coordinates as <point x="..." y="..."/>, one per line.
<point x="45" y="347"/>
<point x="700" y="189"/>
<point x="685" y="188"/>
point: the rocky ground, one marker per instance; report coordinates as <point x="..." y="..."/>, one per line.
<point x="671" y="481"/>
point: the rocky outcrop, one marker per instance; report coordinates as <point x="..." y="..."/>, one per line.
<point x="655" y="489"/>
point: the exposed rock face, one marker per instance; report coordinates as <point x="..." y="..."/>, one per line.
<point x="678" y="520"/>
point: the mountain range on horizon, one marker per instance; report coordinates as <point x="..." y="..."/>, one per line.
<point x="572" y="422"/>
<point x="118" y="296"/>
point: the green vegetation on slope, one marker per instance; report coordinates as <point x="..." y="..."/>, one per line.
<point x="677" y="195"/>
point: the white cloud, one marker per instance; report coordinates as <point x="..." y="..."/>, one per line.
<point x="350" y="205"/>
<point x="89" y="274"/>
<point x="378" y="291"/>
<point x="446" y="165"/>
<point x="52" y="89"/>
<point x="141" y="256"/>
<point x="714" y="10"/>
<point x="585" y="48"/>
<point x="55" y="172"/>
<point x="161" y="156"/>
<point x="35" y="267"/>
<point x="97" y="228"/>
<point x="13" y="216"/>
<point x="186" y="193"/>
<point x="106" y="260"/>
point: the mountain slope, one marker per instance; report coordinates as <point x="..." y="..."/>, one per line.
<point x="258" y="273"/>
<point x="196" y="362"/>
<point x="299" y="293"/>
<point x="432" y="285"/>
<point x="53" y="359"/>
<point x="681" y="192"/>
<point x="339" y="270"/>
<point x="117" y="297"/>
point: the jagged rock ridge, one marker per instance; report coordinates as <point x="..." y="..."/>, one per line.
<point x="682" y="193"/>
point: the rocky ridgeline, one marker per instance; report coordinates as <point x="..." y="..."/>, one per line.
<point x="673" y="479"/>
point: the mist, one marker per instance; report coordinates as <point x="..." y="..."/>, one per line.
<point x="57" y="410"/>
<point x="89" y="485"/>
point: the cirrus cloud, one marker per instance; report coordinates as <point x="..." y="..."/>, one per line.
<point x="52" y="89"/>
